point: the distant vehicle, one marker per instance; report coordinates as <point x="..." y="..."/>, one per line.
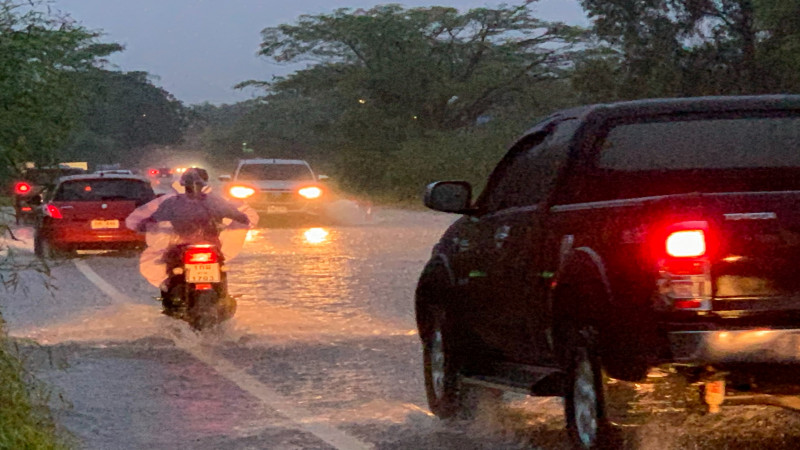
<point x="277" y="187"/>
<point x="615" y="242"/>
<point x="33" y="182"/>
<point x="161" y="172"/>
<point x="114" y="172"/>
<point x="87" y="212"/>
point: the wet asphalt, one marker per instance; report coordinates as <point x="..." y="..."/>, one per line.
<point x="322" y="353"/>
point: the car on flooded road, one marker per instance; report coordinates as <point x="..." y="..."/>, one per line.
<point x="277" y="188"/>
<point x="617" y="241"/>
<point x="87" y="212"/>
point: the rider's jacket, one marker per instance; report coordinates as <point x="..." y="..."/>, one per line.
<point x="180" y="219"/>
<point x="197" y="218"/>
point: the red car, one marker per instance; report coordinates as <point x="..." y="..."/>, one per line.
<point x="87" y="212"/>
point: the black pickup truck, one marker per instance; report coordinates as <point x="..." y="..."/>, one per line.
<point x="615" y="240"/>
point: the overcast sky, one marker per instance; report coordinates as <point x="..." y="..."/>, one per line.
<point x="199" y="49"/>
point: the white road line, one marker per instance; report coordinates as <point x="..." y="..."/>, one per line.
<point x="115" y="295"/>
<point x="302" y="418"/>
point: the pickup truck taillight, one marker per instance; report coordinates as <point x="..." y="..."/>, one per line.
<point x="684" y="269"/>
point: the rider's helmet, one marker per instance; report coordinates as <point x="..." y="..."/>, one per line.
<point x="194" y="180"/>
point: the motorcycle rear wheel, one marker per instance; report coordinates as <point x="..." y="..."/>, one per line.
<point x="204" y="310"/>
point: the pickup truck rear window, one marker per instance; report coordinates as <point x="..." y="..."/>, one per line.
<point x="755" y="142"/>
<point x="283" y="172"/>
<point x="104" y="190"/>
<point x="702" y="153"/>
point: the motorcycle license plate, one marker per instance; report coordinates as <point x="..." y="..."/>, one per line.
<point x="202" y="273"/>
<point x="271" y="209"/>
<point x="104" y="224"/>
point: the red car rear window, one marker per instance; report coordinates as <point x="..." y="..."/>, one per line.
<point x="104" y="190"/>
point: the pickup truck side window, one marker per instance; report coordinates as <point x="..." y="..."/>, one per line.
<point x="531" y="169"/>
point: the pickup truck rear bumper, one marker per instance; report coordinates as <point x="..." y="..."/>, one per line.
<point x="769" y="346"/>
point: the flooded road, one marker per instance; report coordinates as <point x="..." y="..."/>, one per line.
<point x="322" y="353"/>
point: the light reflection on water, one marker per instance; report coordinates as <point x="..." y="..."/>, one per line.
<point x="343" y="281"/>
<point x="290" y="283"/>
<point x="316" y="235"/>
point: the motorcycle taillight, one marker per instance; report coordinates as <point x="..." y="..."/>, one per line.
<point x="200" y="254"/>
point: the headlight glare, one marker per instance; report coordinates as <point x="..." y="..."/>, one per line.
<point x="310" y="192"/>
<point x="241" y="191"/>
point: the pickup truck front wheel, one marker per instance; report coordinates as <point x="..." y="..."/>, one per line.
<point x="447" y="396"/>
<point x="584" y="403"/>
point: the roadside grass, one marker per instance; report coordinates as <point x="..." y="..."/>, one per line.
<point x="25" y="420"/>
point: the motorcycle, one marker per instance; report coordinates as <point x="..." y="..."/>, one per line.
<point x="197" y="289"/>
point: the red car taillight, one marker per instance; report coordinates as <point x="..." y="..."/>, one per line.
<point x="200" y="255"/>
<point x="22" y="188"/>
<point x="684" y="269"/>
<point x="53" y="211"/>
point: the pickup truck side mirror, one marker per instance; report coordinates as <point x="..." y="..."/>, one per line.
<point x="224" y="178"/>
<point x="449" y="196"/>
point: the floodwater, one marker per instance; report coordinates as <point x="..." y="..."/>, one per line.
<point x="322" y="353"/>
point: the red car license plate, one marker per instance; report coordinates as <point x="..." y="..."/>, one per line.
<point x="105" y="224"/>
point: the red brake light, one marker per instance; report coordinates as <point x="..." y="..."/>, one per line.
<point x="203" y="287"/>
<point x="22" y="188"/>
<point x="153" y="172"/>
<point x="688" y="304"/>
<point x="199" y="255"/>
<point x="684" y="267"/>
<point x="686" y="243"/>
<point x="53" y="211"/>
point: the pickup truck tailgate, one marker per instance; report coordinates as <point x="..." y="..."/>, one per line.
<point x="756" y="267"/>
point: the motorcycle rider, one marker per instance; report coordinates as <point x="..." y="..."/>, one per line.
<point x="194" y="216"/>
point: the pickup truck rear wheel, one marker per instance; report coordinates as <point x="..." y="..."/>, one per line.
<point x="447" y="396"/>
<point x="584" y="404"/>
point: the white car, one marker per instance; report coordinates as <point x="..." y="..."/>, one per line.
<point x="278" y="187"/>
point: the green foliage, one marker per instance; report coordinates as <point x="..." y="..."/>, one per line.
<point x="392" y="90"/>
<point x="693" y="47"/>
<point x="24" y="417"/>
<point x="121" y="112"/>
<point x="430" y="68"/>
<point x="39" y="57"/>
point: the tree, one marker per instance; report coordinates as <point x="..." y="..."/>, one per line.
<point x="698" y="47"/>
<point x="380" y="78"/>
<point x="121" y="112"/>
<point x="40" y="54"/>
<point x="431" y="67"/>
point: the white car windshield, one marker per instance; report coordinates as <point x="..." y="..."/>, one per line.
<point x="283" y="172"/>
